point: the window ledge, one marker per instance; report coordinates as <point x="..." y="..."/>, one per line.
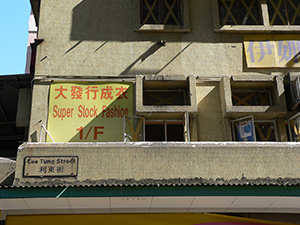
<point x="257" y="29"/>
<point x="161" y="28"/>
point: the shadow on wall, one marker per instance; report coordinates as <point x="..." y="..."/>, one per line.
<point x="130" y="71"/>
<point x="102" y="20"/>
<point x="210" y="113"/>
<point x="114" y="20"/>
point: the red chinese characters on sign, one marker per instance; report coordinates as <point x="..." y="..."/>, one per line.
<point x="122" y="92"/>
<point x="77" y="92"/>
<point x="106" y="93"/>
<point x="93" y="89"/>
<point x="61" y="90"/>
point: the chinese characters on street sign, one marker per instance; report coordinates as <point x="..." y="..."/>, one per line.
<point x="50" y="166"/>
<point x="88" y="112"/>
<point x="272" y="51"/>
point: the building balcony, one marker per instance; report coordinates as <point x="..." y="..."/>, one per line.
<point x="157" y="160"/>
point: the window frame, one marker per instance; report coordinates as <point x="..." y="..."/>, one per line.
<point x="291" y="135"/>
<point x="165" y="123"/>
<point x="274" y="84"/>
<point x="254" y="123"/>
<point x="269" y="121"/>
<point x="237" y="14"/>
<point x="161" y="27"/>
<point x="255" y="92"/>
<point x="287" y="7"/>
<point x="265" y="28"/>
<point x="135" y="131"/>
<point x="167" y="82"/>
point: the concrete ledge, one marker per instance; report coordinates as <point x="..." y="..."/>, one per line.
<point x="165" y="160"/>
<point x="7" y="168"/>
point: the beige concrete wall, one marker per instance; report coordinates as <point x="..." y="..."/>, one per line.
<point x="97" y="37"/>
<point x="91" y="38"/>
<point x="39" y="111"/>
<point x="143" y="160"/>
<point x="210" y="125"/>
<point x="7" y="167"/>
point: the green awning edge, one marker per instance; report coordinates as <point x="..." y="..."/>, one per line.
<point x="44" y="192"/>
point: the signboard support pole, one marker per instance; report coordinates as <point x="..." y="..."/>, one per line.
<point x="42" y="126"/>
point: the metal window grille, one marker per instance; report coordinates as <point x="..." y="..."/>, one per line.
<point x="265" y="131"/>
<point x="294" y="127"/>
<point x="251" y="98"/>
<point x="166" y="12"/>
<point x="284" y="12"/>
<point x="239" y="12"/>
<point x="164" y="97"/>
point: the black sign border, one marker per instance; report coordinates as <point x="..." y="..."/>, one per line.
<point x="36" y="176"/>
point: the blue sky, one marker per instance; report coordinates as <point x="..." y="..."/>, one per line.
<point x="14" y="17"/>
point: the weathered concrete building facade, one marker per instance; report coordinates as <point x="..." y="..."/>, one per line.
<point x="189" y="106"/>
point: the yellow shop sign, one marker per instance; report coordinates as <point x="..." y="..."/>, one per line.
<point x="88" y="112"/>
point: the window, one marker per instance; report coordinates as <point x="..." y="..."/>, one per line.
<point x="239" y="12"/>
<point x="166" y="93"/>
<point x="133" y="128"/>
<point x="136" y="129"/>
<point x="251" y="98"/>
<point x="167" y="130"/>
<point x="162" y="15"/>
<point x="256" y="15"/>
<point x="167" y="12"/>
<point x="178" y="96"/>
<point x="248" y="129"/>
<point x="294" y="127"/>
<point x="255" y="108"/>
<point x="158" y="94"/>
<point x="284" y="12"/>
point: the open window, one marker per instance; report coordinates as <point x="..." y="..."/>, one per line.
<point x="157" y="94"/>
<point x="262" y="97"/>
<point x="265" y="130"/>
<point x="292" y="90"/>
<point x="134" y="128"/>
<point x="243" y="129"/>
<point x="173" y="95"/>
<point x="248" y="129"/>
<point x="244" y="97"/>
<point x="161" y="130"/>
<point x="167" y="130"/>
<point x="259" y="103"/>
<point x="294" y="127"/>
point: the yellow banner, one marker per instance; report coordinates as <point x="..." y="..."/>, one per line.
<point x="88" y="112"/>
<point x="272" y="51"/>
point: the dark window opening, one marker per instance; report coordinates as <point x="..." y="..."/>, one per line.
<point x="166" y="12"/>
<point x="33" y="57"/>
<point x="265" y="131"/>
<point x="161" y="93"/>
<point x="239" y="12"/>
<point x="294" y="128"/>
<point x="284" y="12"/>
<point x="165" y="97"/>
<point x="164" y="131"/>
<point x="251" y="98"/>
